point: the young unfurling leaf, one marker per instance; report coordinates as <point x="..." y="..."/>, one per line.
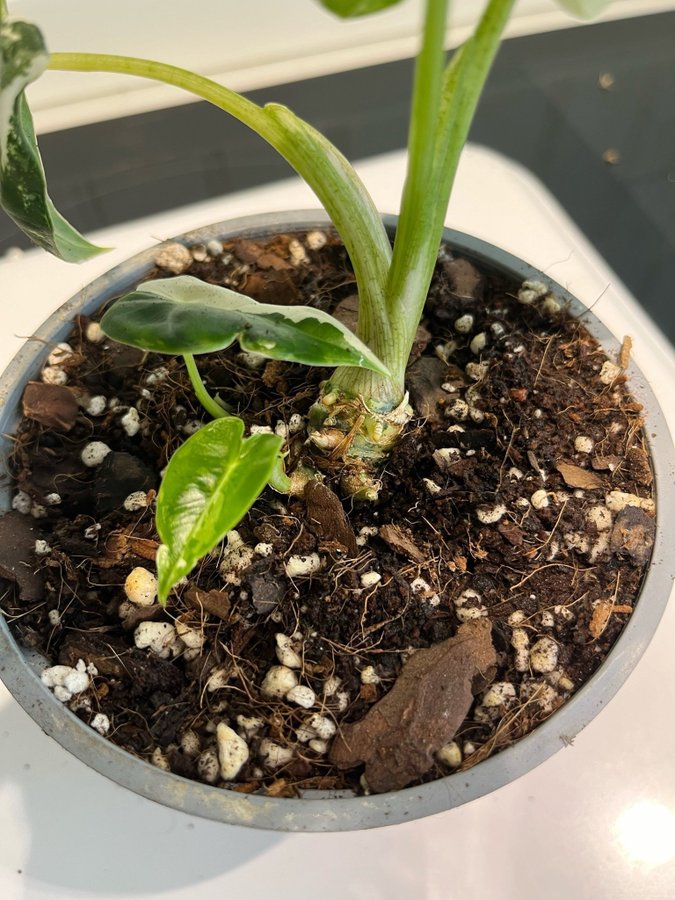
<point x="185" y="315"/>
<point x="211" y="481"/>
<point x="23" y="190"/>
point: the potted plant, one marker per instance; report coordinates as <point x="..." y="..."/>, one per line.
<point x="364" y="593"/>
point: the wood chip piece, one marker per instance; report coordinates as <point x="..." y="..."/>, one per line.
<point x="576" y="477"/>
<point x="602" y="613"/>
<point x="606" y="463"/>
<point x="52" y="405"/>
<point x="637" y="464"/>
<point x="215" y="602"/>
<point x="400" y="540"/>
<point x="325" y="511"/>
<point x="625" y="351"/>
<point x="399" y="735"/>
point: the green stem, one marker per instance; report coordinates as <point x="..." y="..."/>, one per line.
<point x="209" y="403"/>
<point x="315" y="159"/>
<point x="432" y="169"/>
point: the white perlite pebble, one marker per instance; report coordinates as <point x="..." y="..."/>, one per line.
<point x="322" y="726"/>
<point x="54" y="617"/>
<point x="544" y="655"/>
<point x="342" y="698"/>
<point x="22" y="503"/>
<point x="298" y="566"/>
<point x="331" y="685"/>
<point x="96" y="405"/>
<point x="193" y="638"/>
<point x="60" y="355"/>
<point x="42" y="548"/>
<point x="369" y="676"/>
<point x="278" y="681"/>
<point x="94" y="453"/>
<point x="459" y="409"/>
<point x="285" y="652"/>
<point x="160" y="760"/>
<point x="547" y="619"/>
<point x="432" y="488"/>
<point x="157" y="376"/>
<point x="420" y="586"/>
<point x="214" y="248"/>
<point x="131" y="422"/>
<point x="489" y="514"/>
<point x="296" y="424"/>
<point x="174" y="258"/>
<point x="54" y="375"/>
<point x="539" y="499"/>
<point x="318" y="746"/>
<point x="191" y="427"/>
<point x="531" y="291"/>
<point x="516" y="618"/>
<point x="66" y="680"/>
<point x="237" y="556"/>
<point x="445" y="456"/>
<point x="520" y="642"/>
<point x="370" y="579"/>
<point x="316" y="240"/>
<point x="450" y="755"/>
<point x="52" y="499"/>
<point x="302" y="695"/>
<point x="190" y="744"/>
<point x="618" y="500"/>
<point x="100" y="723"/>
<point x="478" y="344"/>
<point x="141" y="587"/>
<point x="94" y="333"/>
<point x="464" y="324"/>
<point x="249" y="726"/>
<point x="297" y="253"/>
<point x="232" y="751"/>
<point x="136" y="501"/>
<point x="583" y="444"/>
<point x="263" y="549"/>
<point x="601" y="517"/>
<point x="469" y="605"/>
<point x="208" y="767"/>
<point x="159" y="637"/>
<point x="476" y="371"/>
<point x="91" y="531"/>
<point x="274" y="755"/>
<point x="609" y="372"/>
<point x="499" y="693"/>
<point x="38" y="511"/>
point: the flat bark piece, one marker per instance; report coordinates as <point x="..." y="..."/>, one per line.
<point x="18" y="534"/>
<point x="52" y="405"/>
<point x="398" y="737"/>
<point x="250" y="251"/>
<point x="465" y="279"/>
<point x="347" y="311"/>
<point x="400" y="540"/>
<point x="325" y="510"/>
<point x="120" y="544"/>
<point x="576" y="477"/>
<point x="215" y="602"/>
<point x="633" y="534"/>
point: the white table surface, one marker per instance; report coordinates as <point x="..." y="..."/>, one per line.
<point x="596" y="821"/>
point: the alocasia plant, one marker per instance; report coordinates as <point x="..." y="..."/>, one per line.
<point x="216" y="475"/>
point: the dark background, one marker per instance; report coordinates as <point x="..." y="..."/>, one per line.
<point x="544" y="107"/>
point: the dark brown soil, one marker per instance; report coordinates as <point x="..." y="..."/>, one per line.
<point x="496" y="506"/>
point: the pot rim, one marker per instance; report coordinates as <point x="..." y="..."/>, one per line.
<point x="322" y="811"/>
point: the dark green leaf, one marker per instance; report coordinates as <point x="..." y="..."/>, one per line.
<point x="211" y="481"/>
<point x="185" y="315"/>
<point x="350" y="8"/>
<point x="23" y="190"/>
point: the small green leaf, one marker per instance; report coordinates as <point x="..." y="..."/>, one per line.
<point x="185" y="315"/>
<point x="23" y="189"/>
<point x="350" y="8"/>
<point x="211" y="481"/>
<point x="585" y="9"/>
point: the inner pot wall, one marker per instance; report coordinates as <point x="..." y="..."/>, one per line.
<point x="320" y="811"/>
